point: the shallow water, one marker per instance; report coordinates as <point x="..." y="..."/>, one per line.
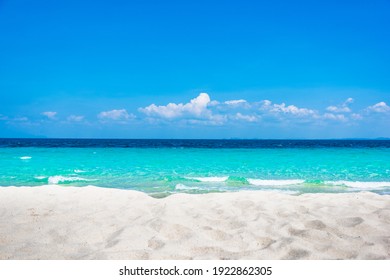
<point x="199" y="166"/>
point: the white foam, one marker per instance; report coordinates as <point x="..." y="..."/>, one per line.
<point x="359" y="184"/>
<point x="209" y="179"/>
<point x="79" y="171"/>
<point x="184" y="187"/>
<point x="40" y="177"/>
<point x="63" y="179"/>
<point x="25" y="157"/>
<point x="259" y="182"/>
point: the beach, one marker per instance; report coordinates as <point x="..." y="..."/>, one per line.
<point x="63" y="222"/>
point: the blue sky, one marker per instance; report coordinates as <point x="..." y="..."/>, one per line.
<point x="228" y="69"/>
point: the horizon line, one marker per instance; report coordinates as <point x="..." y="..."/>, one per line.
<point x="213" y="139"/>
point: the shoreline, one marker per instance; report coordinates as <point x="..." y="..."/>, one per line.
<point x="55" y="222"/>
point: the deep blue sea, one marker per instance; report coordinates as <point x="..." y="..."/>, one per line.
<point x="162" y="167"/>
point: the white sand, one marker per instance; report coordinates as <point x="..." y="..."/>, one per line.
<point x="55" y="222"/>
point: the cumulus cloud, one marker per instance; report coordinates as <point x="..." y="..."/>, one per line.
<point x="74" y="118"/>
<point x="356" y="116"/>
<point x="248" y="118"/>
<point x="115" y="115"/>
<point x="267" y="106"/>
<point x="50" y="115"/>
<point x="335" y="117"/>
<point x="343" y="108"/>
<point x="291" y="109"/>
<point x="235" y="102"/>
<point x="217" y="119"/>
<point x="197" y="107"/>
<point x="213" y="103"/>
<point x="203" y="111"/>
<point x="380" y="107"/>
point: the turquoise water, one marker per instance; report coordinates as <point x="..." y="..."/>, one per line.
<point x="164" y="170"/>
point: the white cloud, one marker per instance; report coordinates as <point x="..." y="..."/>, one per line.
<point x="197" y="107"/>
<point x="50" y="115"/>
<point x="335" y="117"/>
<point x="338" y="109"/>
<point x="213" y="103"/>
<point x="267" y="105"/>
<point x="201" y="110"/>
<point x="115" y="115"/>
<point x="380" y="107"/>
<point x="217" y="119"/>
<point x="235" y="102"/>
<point x="356" y="116"/>
<point x="74" y="118"/>
<point x="291" y="109"/>
<point x="211" y="120"/>
<point x="343" y="108"/>
<point x="248" y="118"/>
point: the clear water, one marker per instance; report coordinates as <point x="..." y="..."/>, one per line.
<point x="161" y="167"/>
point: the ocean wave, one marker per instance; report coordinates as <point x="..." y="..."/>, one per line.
<point x="184" y="187"/>
<point x="259" y="182"/>
<point x="209" y="179"/>
<point x="25" y="157"/>
<point x="79" y="171"/>
<point x="53" y="180"/>
<point x="359" y="184"/>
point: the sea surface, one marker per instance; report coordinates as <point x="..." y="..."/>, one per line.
<point x="163" y="167"/>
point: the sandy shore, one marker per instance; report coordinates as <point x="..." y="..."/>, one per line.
<point x="55" y="222"/>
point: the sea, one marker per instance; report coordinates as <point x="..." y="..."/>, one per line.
<point x="161" y="167"/>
